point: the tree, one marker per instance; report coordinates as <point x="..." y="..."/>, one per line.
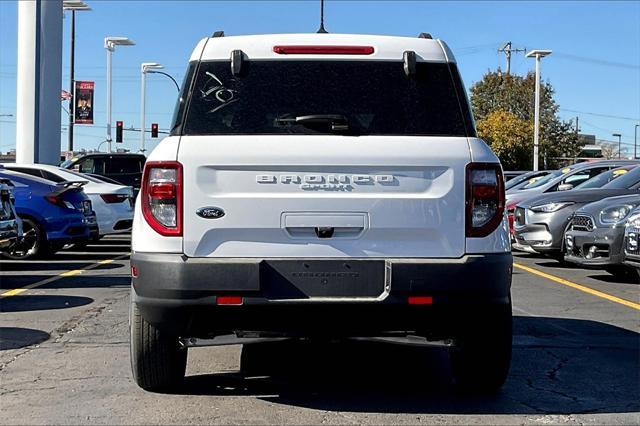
<point x="510" y="137"/>
<point x="514" y="94"/>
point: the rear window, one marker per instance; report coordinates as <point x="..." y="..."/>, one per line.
<point x="124" y="165"/>
<point x="370" y="97"/>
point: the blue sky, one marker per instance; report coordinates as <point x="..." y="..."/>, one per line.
<point x="595" y="67"/>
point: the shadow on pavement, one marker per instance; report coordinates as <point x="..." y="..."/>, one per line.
<point x="560" y="366"/>
<point x="16" y="338"/>
<point x="92" y="281"/>
<point x="608" y="278"/>
<point x="41" y="302"/>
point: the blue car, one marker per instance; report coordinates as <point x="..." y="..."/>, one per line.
<point x="53" y="215"/>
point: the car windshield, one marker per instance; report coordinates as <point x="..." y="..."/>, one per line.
<point x="626" y="181"/>
<point x="343" y="97"/>
<point x="67" y="163"/>
<point x="603" y="178"/>
<point x="548" y="178"/>
<point x="522" y="180"/>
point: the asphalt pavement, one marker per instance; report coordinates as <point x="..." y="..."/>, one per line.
<point x="64" y="358"/>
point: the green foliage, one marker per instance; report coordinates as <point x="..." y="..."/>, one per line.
<point x="514" y="94"/>
<point x="510" y="137"/>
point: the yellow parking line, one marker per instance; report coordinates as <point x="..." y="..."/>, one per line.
<point x="71" y="273"/>
<point x="579" y="287"/>
<point x="61" y="275"/>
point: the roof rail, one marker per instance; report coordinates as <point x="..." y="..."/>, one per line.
<point x="425" y="35"/>
<point x="218" y="34"/>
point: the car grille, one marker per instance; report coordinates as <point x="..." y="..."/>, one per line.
<point x="582" y="223"/>
<point x="519" y="216"/>
<point x="632" y="241"/>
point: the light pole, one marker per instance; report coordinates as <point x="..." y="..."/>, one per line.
<point x="73" y="6"/>
<point x="635" y="141"/>
<point x="619" y="136"/>
<point x="536" y="120"/>
<point x="144" y="68"/>
<point x="110" y="44"/>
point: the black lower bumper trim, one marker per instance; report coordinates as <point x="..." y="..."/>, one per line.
<point x="173" y="289"/>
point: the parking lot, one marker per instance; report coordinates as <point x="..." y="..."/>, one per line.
<point x="64" y="358"/>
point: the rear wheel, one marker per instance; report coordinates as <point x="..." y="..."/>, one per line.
<point x="157" y="361"/>
<point x="31" y="245"/>
<point x="481" y="358"/>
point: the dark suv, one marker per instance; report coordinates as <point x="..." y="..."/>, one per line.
<point x="124" y="168"/>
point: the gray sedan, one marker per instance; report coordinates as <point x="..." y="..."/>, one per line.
<point x="540" y="223"/>
<point x="596" y="234"/>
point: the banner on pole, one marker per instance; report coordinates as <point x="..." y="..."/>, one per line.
<point x="83" y="102"/>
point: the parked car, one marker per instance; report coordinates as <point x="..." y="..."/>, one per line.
<point x="112" y="203"/>
<point x="564" y="179"/>
<point x="52" y="214"/>
<point x="525" y="179"/>
<point x="540" y="222"/>
<point x="125" y="168"/>
<point x="10" y="228"/>
<point x="631" y="242"/>
<point x="511" y="174"/>
<point x="318" y="206"/>
<point x="595" y="237"/>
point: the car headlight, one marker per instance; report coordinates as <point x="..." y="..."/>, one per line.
<point x="615" y="214"/>
<point x="550" y="207"/>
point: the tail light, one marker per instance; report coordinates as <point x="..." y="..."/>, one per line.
<point x="114" y="198"/>
<point x="511" y="208"/>
<point x="323" y="50"/>
<point x="162" y="197"/>
<point x="485" y="198"/>
<point x="56" y="199"/>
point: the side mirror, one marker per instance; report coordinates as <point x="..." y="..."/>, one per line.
<point x="565" y="187"/>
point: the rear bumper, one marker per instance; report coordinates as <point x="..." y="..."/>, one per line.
<point x="181" y="292"/>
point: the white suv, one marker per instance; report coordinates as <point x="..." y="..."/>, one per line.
<point x="321" y="185"/>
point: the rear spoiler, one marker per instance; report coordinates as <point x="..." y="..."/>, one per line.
<point x="68" y="186"/>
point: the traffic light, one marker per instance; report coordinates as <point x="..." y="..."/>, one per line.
<point x="118" y="131"/>
<point x="154" y="130"/>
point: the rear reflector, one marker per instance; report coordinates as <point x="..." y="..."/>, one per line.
<point x="323" y="50"/>
<point x="229" y="300"/>
<point x="134" y="272"/>
<point x="420" y="300"/>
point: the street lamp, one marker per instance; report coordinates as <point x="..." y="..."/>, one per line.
<point x="73" y="6"/>
<point x="144" y="68"/>
<point x="536" y="120"/>
<point x="619" y="136"/>
<point x="635" y="141"/>
<point x="110" y="44"/>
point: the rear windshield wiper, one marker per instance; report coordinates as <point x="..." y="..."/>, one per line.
<point x="338" y="121"/>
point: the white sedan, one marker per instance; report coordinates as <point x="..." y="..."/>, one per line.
<point x="112" y="203"/>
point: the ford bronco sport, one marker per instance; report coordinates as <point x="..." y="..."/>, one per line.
<point x="321" y="186"/>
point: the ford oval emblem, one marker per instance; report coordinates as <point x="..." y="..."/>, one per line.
<point x="210" y="212"/>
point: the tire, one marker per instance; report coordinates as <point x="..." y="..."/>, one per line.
<point x="32" y="245"/>
<point x="157" y="361"/>
<point x="481" y="357"/>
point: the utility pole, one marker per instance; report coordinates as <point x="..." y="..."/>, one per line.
<point x="508" y="50"/>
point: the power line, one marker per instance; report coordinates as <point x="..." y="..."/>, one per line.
<point x="600" y="115"/>
<point x="596" y="61"/>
